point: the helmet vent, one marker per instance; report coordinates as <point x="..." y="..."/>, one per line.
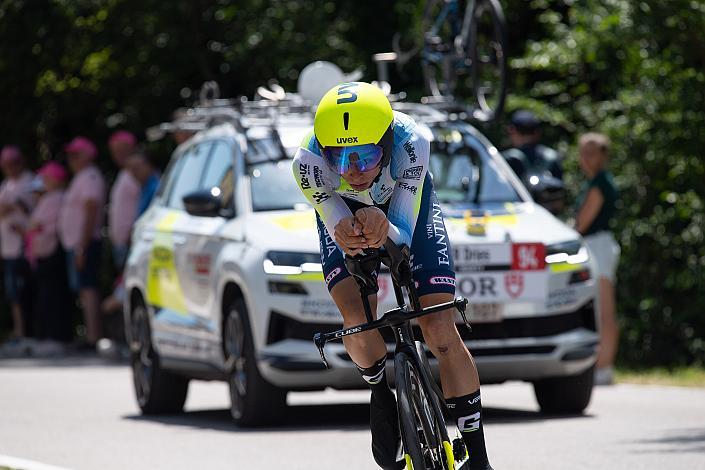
<point x="346" y="120"/>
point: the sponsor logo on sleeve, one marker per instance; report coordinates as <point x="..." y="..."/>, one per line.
<point x="408" y="146"/>
<point x="319" y="197"/>
<point x="408" y="187"/>
<point x="303" y="176"/>
<point x="413" y="173"/>
<point x="318" y="176"/>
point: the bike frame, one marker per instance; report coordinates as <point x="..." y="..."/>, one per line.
<point x="398" y="319"/>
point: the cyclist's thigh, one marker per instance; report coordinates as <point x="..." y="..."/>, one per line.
<point x="431" y="254"/>
<point x="346" y="295"/>
<point x="341" y="285"/>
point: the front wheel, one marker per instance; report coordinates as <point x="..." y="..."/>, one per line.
<point x="565" y="395"/>
<point x="253" y="400"/>
<point x="423" y="429"/>
<point x="157" y="390"/>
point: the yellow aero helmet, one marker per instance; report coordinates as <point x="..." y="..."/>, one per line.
<point x="354" y="113"/>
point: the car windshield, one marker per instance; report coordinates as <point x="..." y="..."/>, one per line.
<point x="464" y="172"/>
<point x="274" y="187"/>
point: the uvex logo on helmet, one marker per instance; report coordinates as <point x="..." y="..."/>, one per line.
<point x="347" y="140"/>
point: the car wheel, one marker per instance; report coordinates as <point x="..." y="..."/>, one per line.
<point x="253" y="400"/>
<point x="157" y="390"/>
<point x="565" y="395"/>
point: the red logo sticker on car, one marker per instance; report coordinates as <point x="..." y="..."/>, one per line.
<point x="514" y="283"/>
<point x="528" y="257"/>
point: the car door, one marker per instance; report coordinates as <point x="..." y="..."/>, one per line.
<point x="202" y="247"/>
<point x="174" y="323"/>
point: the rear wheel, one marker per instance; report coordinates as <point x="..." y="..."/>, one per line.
<point x="565" y="395"/>
<point x="157" y="390"/>
<point x="424" y="434"/>
<point x="253" y="400"/>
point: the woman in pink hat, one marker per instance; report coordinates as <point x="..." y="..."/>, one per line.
<point x="53" y="297"/>
<point x="16" y="202"/>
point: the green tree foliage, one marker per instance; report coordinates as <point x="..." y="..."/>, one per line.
<point x="634" y="70"/>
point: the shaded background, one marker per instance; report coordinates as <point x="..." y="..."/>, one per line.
<point x="634" y="70"/>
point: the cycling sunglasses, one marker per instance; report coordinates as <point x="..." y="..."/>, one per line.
<point x="363" y="157"/>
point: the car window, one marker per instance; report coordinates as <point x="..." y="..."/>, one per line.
<point x="463" y="174"/>
<point x="219" y="173"/>
<point x="188" y="174"/>
<point x="273" y="187"/>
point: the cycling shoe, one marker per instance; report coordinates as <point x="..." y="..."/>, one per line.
<point x="384" y="424"/>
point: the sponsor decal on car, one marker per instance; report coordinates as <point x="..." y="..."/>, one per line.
<point x="514" y="284"/>
<point x="528" y="256"/>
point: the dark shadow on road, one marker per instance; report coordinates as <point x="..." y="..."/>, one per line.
<point x="299" y="418"/>
<point x="675" y="441"/>
<point x="74" y="360"/>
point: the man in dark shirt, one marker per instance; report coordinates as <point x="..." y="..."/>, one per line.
<point x="536" y="165"/>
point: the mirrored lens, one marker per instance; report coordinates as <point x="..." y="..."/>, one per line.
<point x="363" y="157"/>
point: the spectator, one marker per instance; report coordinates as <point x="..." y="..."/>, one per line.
<point x="142" y="169"/>
<point x="53" y="300"/>
<point x="528" y="155"/>
<point x="16" y="202"/>
<point x="124" y="196"/>
<point x="595" y="210"/>
<point x="80" y="222"/>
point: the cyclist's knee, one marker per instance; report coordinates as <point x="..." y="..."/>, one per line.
<point x="440" y="332"/>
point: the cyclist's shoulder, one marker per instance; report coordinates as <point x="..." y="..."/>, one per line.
<point x="310" y="144"/>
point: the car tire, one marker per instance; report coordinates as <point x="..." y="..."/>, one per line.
<point x="157" y="391"/>
<point x="253" y="400"/>
<point x="565" y="395"/>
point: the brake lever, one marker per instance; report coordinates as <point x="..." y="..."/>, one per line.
<point x="461" y="303"/>
<point x="320" y="341"/>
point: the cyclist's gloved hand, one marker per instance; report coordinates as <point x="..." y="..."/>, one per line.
<point x="348" y="235"/>
<point x="375" y="225"/>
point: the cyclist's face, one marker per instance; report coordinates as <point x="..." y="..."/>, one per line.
<point x="360" y="180"/>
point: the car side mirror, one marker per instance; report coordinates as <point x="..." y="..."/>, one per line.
<point x="203" y="203"/>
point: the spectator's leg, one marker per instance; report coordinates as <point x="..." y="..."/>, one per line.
<point x="609" y="335"/>
<point x="90" y="304"/>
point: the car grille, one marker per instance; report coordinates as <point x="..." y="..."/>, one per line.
<point x="282" y="327"/>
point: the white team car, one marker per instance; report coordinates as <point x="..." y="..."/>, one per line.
<point x="224" y="278"/>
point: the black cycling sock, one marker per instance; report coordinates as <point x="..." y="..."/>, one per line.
<point x="467" y="412"/>
<point x="384" y="421"/>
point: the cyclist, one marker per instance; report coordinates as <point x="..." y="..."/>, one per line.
<point x="364" y="170"/>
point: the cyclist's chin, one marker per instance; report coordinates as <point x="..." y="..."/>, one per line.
<point x="360" y="186"/>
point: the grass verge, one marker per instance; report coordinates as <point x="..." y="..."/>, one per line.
<point x="680" y="377"/>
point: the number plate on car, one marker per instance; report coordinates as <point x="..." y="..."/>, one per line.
<point x="485" y="313"/>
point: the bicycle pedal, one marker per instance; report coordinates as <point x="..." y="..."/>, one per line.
<point x="460" y="452"/>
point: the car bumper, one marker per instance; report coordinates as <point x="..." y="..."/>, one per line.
<point x="296" y="364"/>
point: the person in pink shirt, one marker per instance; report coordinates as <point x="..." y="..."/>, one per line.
<point x="53" y="300"/>
<point x="80" y="221"/>
<point x="124" y="197"/>
<point x="16" y="202"/>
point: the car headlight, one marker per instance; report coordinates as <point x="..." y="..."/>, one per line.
<point x="285" y="262"/>
<point x="571" y="252"/>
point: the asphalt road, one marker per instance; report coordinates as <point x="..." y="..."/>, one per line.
<point x="81" y="415"/>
